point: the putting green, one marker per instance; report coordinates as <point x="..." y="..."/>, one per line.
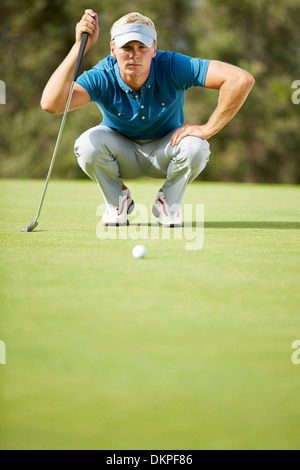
<point x="185" y="349"/>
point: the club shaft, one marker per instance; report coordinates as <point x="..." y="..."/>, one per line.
<point x="75" y="75"/>
<point x="55" y="149"/>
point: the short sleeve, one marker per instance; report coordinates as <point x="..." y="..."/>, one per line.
<point x="188" y="71"/>
<point x="91" y="81"/>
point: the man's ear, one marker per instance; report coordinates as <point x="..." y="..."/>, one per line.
<point x="155" y="49"/>
<point x="112" y="50"/>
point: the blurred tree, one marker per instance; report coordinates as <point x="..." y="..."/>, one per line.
<point x="260" y="144"/>
<point x="262" y="36"/>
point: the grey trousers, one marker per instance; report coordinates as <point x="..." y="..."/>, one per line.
<point x="107" y="157"/>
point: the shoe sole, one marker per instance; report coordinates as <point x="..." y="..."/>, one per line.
<point x="116" y="225"/>
<point x="169" y="225"/>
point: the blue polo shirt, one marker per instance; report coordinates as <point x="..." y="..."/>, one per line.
<point x="158" y="109"/>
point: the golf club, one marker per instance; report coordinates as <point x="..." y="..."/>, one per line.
<point x="84" y="38"/>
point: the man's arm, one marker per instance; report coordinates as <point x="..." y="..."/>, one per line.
<point x="56" y="92"/>
<point x="234" y="85"/>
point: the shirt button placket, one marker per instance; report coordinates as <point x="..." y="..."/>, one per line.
<point x="142" y="108"/>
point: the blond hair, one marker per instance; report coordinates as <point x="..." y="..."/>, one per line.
<point x="133" y="17"/>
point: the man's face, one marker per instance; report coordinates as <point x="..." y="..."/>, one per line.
<point x="134" y="59"/>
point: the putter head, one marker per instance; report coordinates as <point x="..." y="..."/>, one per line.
<point x="30" y="227"/>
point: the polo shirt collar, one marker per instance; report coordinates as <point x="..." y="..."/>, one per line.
<point x="126" y="88"/>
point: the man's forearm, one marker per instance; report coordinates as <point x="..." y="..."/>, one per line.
<point x="231" y="98"/>
<point x="234" y="85"/>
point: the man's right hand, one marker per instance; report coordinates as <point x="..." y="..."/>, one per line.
<point x="88" y="24"/>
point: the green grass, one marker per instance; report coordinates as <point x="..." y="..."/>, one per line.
<point x="180" y="350"/>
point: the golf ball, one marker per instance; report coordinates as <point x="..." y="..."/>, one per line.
<point x="139" y="251"/>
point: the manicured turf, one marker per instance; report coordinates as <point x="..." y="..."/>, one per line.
<point x="181" y="350"/>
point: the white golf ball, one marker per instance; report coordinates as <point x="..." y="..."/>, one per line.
<point x="139" y="251"/>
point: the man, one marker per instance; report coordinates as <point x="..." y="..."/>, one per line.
<point x="140" y="93"/>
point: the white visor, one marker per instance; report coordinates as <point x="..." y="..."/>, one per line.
<point x="133" y="32"/>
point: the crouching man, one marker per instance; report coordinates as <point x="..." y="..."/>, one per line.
<point x="140" y="92"/>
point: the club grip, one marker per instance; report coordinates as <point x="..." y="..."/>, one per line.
<point x="80" y="55"/>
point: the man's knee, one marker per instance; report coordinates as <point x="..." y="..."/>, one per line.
<point x="194" y="151"/>
<point x="91" y="148"/>
<point x="84" y="150"/>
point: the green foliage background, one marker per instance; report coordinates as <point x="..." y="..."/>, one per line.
<point x="261" y="144"/>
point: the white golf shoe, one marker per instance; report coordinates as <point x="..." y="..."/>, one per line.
<point x="167" y="216"/>
<point x="117" y="216"/>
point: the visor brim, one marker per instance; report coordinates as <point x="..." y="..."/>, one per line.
<point x="123" y="39"/>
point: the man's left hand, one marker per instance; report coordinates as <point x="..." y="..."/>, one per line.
<point x="189" y="130"/>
